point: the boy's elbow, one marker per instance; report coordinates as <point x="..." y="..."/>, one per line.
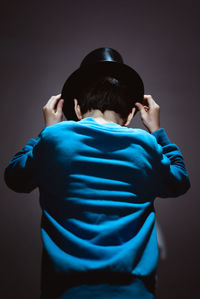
<point x="186" y="185"/>
<point x="8" y="178"/>
<point x="182" y="187"/>
<point x="16" y="182"/>
<point x="175" y="187"/>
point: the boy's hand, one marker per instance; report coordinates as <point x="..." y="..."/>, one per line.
<point x="52" y="111"/>
<point x="149" y="113"/>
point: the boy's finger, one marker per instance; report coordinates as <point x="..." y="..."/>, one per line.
<point x="139" y="106"/>
<point x="53" y="101"/>
<point x="149" y="100"/>
<point x="60" y="106"/>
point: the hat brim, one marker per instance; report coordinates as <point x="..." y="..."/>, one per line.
<point x="82" y="76"/>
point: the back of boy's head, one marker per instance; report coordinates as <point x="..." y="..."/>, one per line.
<point x="106" y="93"/>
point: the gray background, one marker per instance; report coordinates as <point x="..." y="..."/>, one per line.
<point x="41" y="45"/>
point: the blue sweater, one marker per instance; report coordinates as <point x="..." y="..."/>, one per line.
<point x="97" y="184"/>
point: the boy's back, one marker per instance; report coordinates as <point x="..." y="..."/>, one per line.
<point x="98" y="180"/>
<point x="97" y="187"/>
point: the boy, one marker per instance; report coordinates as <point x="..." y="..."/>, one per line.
<point x="98" y="180"/>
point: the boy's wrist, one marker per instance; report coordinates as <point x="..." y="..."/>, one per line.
<point x="161" y="137"/>
<point x="153" y="129"/>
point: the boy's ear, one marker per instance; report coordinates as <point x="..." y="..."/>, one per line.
<point x="130" y="116"/>
<point x="77" y="109"/>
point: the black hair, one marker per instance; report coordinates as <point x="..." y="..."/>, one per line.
<point x="106" y="93"/>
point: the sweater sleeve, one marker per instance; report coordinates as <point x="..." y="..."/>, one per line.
<point x="171" y="176"/>
<point x="21" y="174"/>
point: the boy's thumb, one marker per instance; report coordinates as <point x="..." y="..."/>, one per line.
<point x="139" y="106"/>
<point x="60" y="105"/>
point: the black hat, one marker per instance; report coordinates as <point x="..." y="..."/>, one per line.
<point x="101" y="61"/>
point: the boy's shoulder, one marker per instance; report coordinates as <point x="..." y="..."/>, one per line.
<point x="57" y="128"/>
<point x="69" y="127"/>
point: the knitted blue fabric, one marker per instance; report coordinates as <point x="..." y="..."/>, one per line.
<point x="97" y="184"/>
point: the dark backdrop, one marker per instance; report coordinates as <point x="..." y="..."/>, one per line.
<point x="42" y="43"/>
